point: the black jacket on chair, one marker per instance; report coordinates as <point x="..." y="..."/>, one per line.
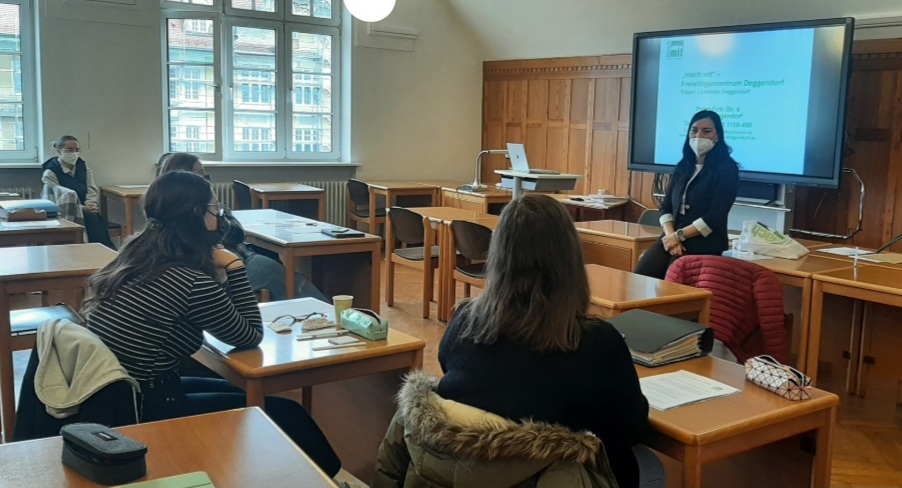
<point x="114" y="405"/>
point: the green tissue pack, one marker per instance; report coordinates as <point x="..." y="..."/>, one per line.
<point x="365" y="323"/>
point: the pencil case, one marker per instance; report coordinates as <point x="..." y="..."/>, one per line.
<point x="101" y="454"/>
<point x="770" y="374"/>
<point x="365" y="323"/>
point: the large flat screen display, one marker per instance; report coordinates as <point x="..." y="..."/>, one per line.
<point x="780" y="90"/>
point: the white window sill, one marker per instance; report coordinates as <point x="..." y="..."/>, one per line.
<point x="237" y="164"/>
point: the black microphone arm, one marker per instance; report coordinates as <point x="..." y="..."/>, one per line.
<point x="889" y="244"/>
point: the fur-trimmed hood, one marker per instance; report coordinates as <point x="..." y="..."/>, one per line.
<point x="437" y="442"/>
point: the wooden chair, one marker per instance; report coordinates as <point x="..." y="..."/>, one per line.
<point x="472" y="244"/>
<point x="242" y="194"/>
<point x="359" y="207"/>
<point x="418" y="252"/>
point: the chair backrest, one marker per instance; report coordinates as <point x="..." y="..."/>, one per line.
<point x="650" y="217"/>
<point x="471" y="239"/>
<point x="407" y="226"/>
<point x="747" y="306"/>
<point x="359" y="192"/>
<point x="242" y="193"/>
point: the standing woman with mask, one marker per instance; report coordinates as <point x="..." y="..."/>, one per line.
<point x="68" y="170"/>
<point x="698" y="199"/>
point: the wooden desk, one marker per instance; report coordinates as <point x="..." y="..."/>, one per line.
<point x="615" y="244"/>
<point x="615" y="291"/>
<point x="799" y="273"/>
<point x="235" y="448"/>
<point x="491" y="201"/>
<point x="65" y="233"/>
<point x="355" y="410"/>
<point x="589" y="211"/>
<point x="39" y="268"/>
<point x="439" y="219"/>
<point x="703" y="432"/>
<point x="128" y="197"/>
<point x="340" y="266"/>
<point x="875" y="284"/>
<point x="262" y="194"/>
<point x="391" y="190"/>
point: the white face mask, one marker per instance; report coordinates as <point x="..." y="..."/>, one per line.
<point x="69" y="158"/>
<point x="701" y="146"/>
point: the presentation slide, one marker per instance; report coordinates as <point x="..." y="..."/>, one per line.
<point x="742" y="77"/>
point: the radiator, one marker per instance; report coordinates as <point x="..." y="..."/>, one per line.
<point x="336" y="200"/>
<point x="23" y="191"/>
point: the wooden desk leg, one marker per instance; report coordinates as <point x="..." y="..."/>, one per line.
<point x="290" y="285"/>
<point x="814" y="331"/>
<point x="129" y="216"/>
<point x="805" y="325"/>
<point x="692" y="467"/>
<point x="389" y="250"/>
<point x="7" y="380"/>
<point x="307" y="399"/>
<point x="704" y="315"/>
<point x="376" y="276"/>
<point x="822" y="463"/>
<point x="254" y="394"/>
<point x="254" y="203"/>
<point x="428" y="276"/>
<point x="372" y="225"/>
<point x="450" y="292"/>
<point x="321" y="211"/>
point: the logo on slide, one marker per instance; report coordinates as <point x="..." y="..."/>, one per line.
<point x="675" y="50"/>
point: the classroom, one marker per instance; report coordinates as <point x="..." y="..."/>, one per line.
<point x="421" y="106"/>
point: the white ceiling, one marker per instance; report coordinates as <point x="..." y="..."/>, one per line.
<point x="524" y="29"/>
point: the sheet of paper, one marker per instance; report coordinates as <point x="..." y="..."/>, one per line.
<point x="30" y="224"/>
<point x="133" y="186"/>
<point x="846" y="251"/>
<point x="669" y="390"/>
<point x="891" y="258"/>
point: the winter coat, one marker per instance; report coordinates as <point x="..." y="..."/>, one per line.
<point x="747" y="308"/>
<point x="433" y="442"/>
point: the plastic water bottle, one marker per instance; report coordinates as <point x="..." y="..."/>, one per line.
<point x="743" y="243"/>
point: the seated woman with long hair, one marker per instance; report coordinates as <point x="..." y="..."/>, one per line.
<point x="263" y="272"/>
<point x="153" y="302"/>
<point x="526" y="348"/>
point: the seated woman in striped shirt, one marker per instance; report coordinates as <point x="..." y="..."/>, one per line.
<point x="153" y="302"/>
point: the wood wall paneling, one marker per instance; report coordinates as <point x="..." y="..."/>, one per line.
<point x="573" y="115"/>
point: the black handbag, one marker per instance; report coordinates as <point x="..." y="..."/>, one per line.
<point x="102" y="455"/>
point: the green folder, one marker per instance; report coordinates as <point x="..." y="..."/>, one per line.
<point x="655" y="340"/>
<point x="197" y="479"/>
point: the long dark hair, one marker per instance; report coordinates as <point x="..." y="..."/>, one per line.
<point x="537" y="293"/>
<point x="176" y="235"/>
<point x="719" y="154"/>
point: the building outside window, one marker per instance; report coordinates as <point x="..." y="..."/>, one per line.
<point x="18" y="90"/>
<point x="251" y="74"/>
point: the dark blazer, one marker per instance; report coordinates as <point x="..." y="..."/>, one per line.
<point x="710" y="197"/>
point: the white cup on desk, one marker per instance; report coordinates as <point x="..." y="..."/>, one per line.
<point x="341" y="302"/>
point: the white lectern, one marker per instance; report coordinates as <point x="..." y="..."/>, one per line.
<point x="521" y="180"/>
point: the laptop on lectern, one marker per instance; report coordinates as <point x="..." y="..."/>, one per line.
<point x="517" y="154"/>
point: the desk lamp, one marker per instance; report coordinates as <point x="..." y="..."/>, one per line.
<point x="476" y="185"/>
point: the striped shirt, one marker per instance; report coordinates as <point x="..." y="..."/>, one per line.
<point x="152" y="326"/>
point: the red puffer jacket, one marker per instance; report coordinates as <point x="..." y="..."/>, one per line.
<point x="747" y="307"/>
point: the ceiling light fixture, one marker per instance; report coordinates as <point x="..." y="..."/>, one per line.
<point x="370" y="10"/>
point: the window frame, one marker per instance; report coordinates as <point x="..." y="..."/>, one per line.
<point x="28" y="64"/>
<point x="284" y="23"/>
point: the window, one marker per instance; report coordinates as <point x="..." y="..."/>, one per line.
<point x="252" y="76"/>
<point x="18" y="93"/>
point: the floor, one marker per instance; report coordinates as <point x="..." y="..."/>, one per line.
<point x="867" y="452"/>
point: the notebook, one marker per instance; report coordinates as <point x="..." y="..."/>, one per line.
<point x="517" y="153"/>
<point x="655" y="340"/>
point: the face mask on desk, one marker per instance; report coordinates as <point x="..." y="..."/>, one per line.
<point x="701" y="146"/>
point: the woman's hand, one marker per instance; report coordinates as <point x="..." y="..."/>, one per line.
<point x="223" y="258"/>
<point x="672" y="244"/>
